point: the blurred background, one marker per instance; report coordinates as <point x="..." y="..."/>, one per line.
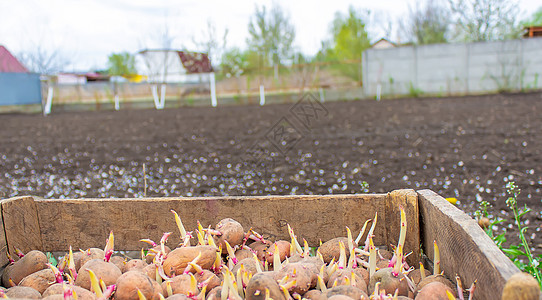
<point x="100" y="52"/>
<point x="185" y="98"/>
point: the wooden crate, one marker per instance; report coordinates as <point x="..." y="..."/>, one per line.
<point x="53" y="225"/>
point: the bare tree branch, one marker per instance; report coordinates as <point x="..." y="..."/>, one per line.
<point x="485" y="20"/>
<point x="272" y="34"/>
<point x="427" y="24"/>
<point x="209" y="42"/>
<point x="43" y="61"/>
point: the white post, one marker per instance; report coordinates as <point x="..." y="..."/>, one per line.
<point x="117" y="103"/>
<point x="162" y="95"/>
<point x="262" y="95"/>
<point x="49" y="101"/>
<point x="378" y="92"/>
<point x="154" y="89"/>
<point x="322" y="99"/>
<point x="212" y="84"/>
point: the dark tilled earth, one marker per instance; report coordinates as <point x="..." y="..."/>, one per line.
<point x="467" y="147"/>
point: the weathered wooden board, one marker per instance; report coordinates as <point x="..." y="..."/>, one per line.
<point x="21" y="224"/>
<point x="464" y="247"/>
<point x="86" y="223"/>
<point x="3" y="242"/>
<point x="408" y="199"/>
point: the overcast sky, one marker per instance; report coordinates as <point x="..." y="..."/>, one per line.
<point x="86" y="32"/>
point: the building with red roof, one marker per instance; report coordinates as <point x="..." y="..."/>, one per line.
<point x="17" y="85"/>
<point x="532" y="31"/>
<point x="10" y="64"/>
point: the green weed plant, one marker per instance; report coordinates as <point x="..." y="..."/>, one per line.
<point x="520" y="254"/>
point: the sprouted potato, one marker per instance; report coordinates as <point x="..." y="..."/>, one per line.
<point x="228" y="263"/>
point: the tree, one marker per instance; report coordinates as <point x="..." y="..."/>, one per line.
<point x="158" y="37"/>
<point x="43" y="61"/>
<point x="121" y="64"/>
<point x="380" y="23"/>
<point x="485" y="20"/>
<point x="235" y="62"/>
<point x="349" y="40"/>
<point x="427" y="24"/>
<point x="232" y="63"/>
<point x="209" y="42"/>
<point x="535" y="19"/>
<point x="271" y="34"/>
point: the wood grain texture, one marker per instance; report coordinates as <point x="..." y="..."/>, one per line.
<point x="408" y="199"/>
<point x="464" y="247"/>
<point x="21" y="224"/>
<point x="3" y="242"/>
<point x="86" y="223"/>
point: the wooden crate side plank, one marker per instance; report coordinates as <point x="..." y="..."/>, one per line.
<point x="86" y="223"/>
<point x="22" y="227"/>
<point x="408" y="199"/>
<point x="464" y="247"/>
<point x="3" y="242"/>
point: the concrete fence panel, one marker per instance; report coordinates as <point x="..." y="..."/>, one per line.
<point x="438" y="71"/>
<point x="454" y="69"/>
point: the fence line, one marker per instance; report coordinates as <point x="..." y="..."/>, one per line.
<point x="289" y="80"/>
<point x="451" y="69"/>
<point x="19" y="89"/>
<point x="442" y="69"/>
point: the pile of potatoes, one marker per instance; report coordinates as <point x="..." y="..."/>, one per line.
<point x="231" y="262"/>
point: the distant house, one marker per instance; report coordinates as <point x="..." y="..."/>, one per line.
<point x="97" y="77"/>
<point x="17" y="85"/>
<point x="532" y="31"/>
<point x="166" y="65"/>
<point x="80" y="78"/>
<point x="383" y="43"/>
<point x="10" y="64"/>
<point x="70" y="78"/>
